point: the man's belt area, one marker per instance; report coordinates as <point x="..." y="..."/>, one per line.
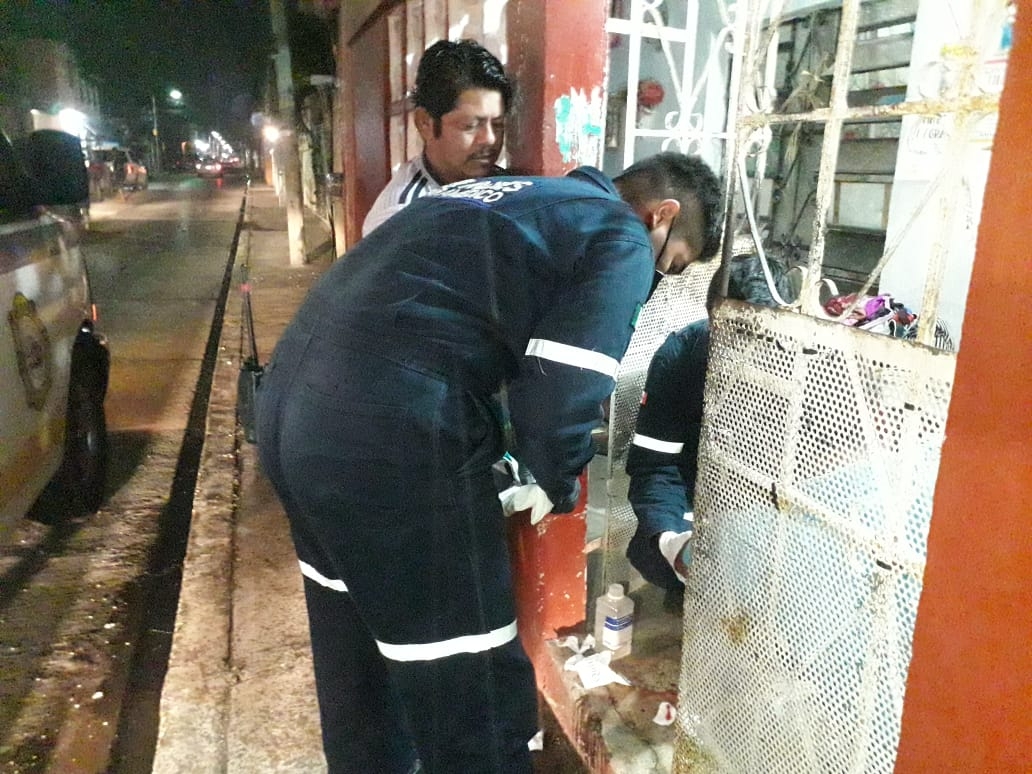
<point x="478" y="372"/>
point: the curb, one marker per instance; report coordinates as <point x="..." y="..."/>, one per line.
<point x="195" y="696"/>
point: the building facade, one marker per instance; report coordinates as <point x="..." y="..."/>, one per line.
<point x="43" y="87"/>
<point x="864" y="540"/>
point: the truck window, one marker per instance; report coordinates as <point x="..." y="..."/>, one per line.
<point x="15" y="186"/>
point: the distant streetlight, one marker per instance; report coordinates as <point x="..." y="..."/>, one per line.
<point x="176" y="96"/>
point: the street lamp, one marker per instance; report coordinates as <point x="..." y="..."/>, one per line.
<point x="271" y="133"/>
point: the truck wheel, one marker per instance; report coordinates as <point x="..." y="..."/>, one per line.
<point x="84" y="470"/>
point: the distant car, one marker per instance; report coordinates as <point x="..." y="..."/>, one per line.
<point x="186" y="163"/>
<point x="121" y="169"/>
<point x="233" y="165"/>
<point x="209" y="168"/>
<point x="135" y="177"/>
<point x="53" y="365"/>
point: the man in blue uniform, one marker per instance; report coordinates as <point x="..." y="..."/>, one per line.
<point x="662" y="460"/>
<point x="376" y="427"/>
<point x="461" y="97"/>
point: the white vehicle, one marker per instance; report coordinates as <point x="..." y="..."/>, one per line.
<point x="53" y="365"/>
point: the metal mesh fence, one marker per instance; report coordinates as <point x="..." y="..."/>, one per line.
<point x="821" y="441"/>
<point x="818" y="461"/>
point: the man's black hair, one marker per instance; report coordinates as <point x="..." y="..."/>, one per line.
<point x="450" y="67"/>
<point x="671" y="175"/>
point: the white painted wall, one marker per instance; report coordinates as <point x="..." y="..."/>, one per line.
<point x="932" y="169"/>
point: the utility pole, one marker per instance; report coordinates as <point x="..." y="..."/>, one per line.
<point x="154" y="132"/>
<point x="287" y="148"/>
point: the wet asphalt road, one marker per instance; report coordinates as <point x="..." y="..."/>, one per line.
<point x="86" y="606"/>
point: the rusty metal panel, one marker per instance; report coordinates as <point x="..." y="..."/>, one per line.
<point x="817" y="468"/>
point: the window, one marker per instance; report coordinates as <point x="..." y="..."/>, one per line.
<point x="863" y="136"/>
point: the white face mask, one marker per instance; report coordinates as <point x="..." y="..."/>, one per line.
<point x="657" y="277"/>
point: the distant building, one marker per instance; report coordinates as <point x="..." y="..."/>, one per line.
<point x="41" y="86"/>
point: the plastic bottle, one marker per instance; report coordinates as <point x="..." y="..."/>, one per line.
<point x="614" y="621"/>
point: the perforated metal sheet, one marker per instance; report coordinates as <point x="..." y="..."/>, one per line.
<point x="818" y="461"/>
<point x="676" y="302"/>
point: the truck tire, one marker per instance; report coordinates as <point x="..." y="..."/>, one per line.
<point x="84" y="470"/>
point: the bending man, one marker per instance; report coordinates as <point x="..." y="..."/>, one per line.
<point x="377" y="429"/>
<point x="663" y="458"/>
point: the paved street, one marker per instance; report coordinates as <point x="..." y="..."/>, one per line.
<point x="77" y="610"/>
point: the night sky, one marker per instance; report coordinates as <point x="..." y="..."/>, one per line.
<point x="216" y="52"/>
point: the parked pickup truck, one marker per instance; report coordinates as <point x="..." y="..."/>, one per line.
<point x="53" y="364"/>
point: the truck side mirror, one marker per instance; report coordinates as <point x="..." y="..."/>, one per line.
<point x="58" y="167"/>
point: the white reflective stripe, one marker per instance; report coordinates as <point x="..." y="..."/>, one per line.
<point x="310" y="572"/>
<point x="667" y="447"/>
<point x="429" y="651"/>
<point x="575" y="356"/>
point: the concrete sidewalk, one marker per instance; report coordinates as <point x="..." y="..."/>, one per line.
<point x="239" y="694"/>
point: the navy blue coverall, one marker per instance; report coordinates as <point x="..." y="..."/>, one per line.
<point x="662" y="459"/>
<point x="377" y="429"/>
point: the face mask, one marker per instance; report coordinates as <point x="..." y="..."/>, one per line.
<point x="662" y="250"/>
<point x="657" y="277"/>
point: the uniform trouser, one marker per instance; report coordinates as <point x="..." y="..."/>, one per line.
<point x="383" y="468"/>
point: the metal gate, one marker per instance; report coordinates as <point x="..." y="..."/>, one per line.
<point x="817" y="468"/>
<point x="856" y="146"/>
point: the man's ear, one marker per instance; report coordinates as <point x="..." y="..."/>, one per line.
<point x="424" y="123"/>
<point x="664" y="212"/>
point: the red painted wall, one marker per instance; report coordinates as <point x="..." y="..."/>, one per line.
<point x="368" y="56"/>
<point x="968" y="705"/>
<point x="549" y="571"/>
<point x="554" y="45"/>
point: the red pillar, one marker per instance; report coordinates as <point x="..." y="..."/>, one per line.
<point x="555" y="46"/>
<point x="549" y="576"/>
<point x="968" y="704"/>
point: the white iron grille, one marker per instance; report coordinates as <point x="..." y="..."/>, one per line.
<point x="821" y="443"/>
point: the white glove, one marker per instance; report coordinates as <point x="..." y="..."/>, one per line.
<point x="526" y="497"/>
<point x="676" y="549"/>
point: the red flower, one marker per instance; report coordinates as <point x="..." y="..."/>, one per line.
<point x="650" y="93"/>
